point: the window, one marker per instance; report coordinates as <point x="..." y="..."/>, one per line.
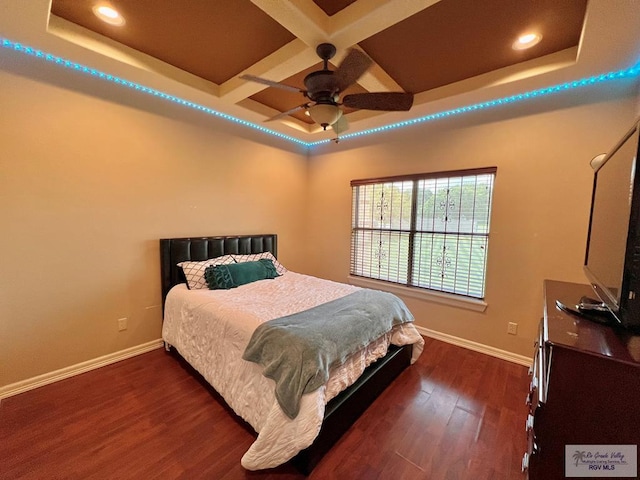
<point x="428" y="231"/>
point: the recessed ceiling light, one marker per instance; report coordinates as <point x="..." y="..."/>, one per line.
<point x="108" y="15"/>
<point x="527" y="40"/>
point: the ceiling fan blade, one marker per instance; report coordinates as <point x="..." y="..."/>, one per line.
<point x="271" y="83"/>
<point x="288" y="112"/>
<point x="352" y="68"/>
<point x="342" y="125"/>
<point x="385" y="101"/>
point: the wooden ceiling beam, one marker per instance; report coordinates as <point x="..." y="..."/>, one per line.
<point x="303" y="18"/>
<point x="284" y="62"/>
<point x="310" y="24"/>
<point x="363" y="19"/>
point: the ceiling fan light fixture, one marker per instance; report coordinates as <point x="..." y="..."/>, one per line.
<point x="526" y="40"/>
<point x="324" y="114"/>
<point x="108" y="15"/>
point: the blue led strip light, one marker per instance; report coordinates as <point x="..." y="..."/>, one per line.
<point x="141" y="88"/>
<point x="606" y="77"/>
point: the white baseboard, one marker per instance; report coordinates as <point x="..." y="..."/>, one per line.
<point x="56" y="375"/>
<point x="476" y="347"/>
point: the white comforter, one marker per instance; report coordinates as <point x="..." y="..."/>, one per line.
<point x="211" y="328"/>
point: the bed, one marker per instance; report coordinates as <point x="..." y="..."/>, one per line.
<point x="210" y="329"/>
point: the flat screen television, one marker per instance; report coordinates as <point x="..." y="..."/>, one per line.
<point x="612" y="259"/>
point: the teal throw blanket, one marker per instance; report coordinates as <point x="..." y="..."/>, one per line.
<point x="299" y="350"/>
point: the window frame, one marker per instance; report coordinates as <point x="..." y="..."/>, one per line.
<point x="410" y="287"/>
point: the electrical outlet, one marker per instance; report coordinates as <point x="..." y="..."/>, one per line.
<point x="512" y="328"/>
<point x="122" y="324"/>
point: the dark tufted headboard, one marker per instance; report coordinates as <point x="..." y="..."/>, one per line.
<point x="176" y="250"/>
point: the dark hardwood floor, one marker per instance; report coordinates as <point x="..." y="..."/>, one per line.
<point x="455" y="414"/>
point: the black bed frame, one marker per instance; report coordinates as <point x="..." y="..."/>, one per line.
<point x="342" y="411"/>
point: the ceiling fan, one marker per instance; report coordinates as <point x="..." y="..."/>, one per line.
<point x="324" y="87"/>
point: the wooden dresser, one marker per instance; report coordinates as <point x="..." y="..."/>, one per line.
<point x="585" y="385"/>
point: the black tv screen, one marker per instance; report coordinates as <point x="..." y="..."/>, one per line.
<point x="613" y="243"/>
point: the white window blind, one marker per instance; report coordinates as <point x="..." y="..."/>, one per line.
<point x="428" y="231"/>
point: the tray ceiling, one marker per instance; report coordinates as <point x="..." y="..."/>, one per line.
<point x="424" y="47"/>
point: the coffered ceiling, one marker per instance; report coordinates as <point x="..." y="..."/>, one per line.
<point x="441" y="51"/>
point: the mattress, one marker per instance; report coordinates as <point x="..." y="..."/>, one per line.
<point x="211" y="328"/>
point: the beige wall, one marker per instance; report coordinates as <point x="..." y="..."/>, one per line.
<point x="87" y="187"/>
<point x="541" y="199"/>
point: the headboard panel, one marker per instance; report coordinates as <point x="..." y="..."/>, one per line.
<point x="176" y="250"/>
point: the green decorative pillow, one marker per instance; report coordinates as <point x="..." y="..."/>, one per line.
<point x="236" y="274"/>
